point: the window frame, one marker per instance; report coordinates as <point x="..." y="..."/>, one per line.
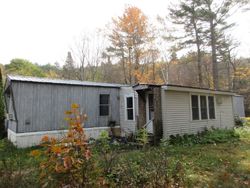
<point x="100" y="105"/>
<point x="191" y="107"/>
<point x="209" y="107"/>
<point x="199" y="106"/>
<point x="126" y="109"/>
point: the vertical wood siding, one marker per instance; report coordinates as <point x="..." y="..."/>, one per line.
<point x="176" y="112"/>
<point x="41" y="107"/>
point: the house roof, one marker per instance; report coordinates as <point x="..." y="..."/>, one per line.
<point x="173" y="87"/>
<point x="60" y="81"/>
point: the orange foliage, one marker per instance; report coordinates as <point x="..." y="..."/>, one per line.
<point x="151" y="75"/>
<point x="67" y="159"/>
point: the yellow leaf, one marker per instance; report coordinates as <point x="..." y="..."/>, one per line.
<point x="74" y="106"/>
<point x="35" y="153"/>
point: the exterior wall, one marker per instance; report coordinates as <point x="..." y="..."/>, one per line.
<point x="177" y="119"/>
<point x="23" y="140"/>
<point x="128" y="126"/>
<point x="238" y="104"/>
<point x="41" y="107"/>
<point x="12" y="122"/>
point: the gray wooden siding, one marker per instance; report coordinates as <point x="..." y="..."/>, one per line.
<point x="177" y="118"/>
<point x="128" y="126"/>
<point x="41" y="107"/>
<point x="239" y="109"/>
<point x="12" y="124"/>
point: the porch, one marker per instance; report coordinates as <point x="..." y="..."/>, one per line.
<point x="149" y="109"/>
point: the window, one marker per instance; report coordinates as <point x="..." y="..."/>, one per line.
<point x="130" y="108"/>
<point x="203" y="106"/>
<point x="104" y="105"/>
<point x="211" y="107"/>
<point x="195" y="107"/>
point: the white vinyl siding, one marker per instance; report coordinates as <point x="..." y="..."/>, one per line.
<point x="177" y="114"/>
<point x="128" y="126"/>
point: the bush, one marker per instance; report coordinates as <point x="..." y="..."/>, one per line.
<point x="67" y="161"/>
<point x="142" y="137"/>
<point x="13" y="171"/>
<point x="207" y="137"/>
<point x="238" y="121"/>
<point x="147" y="169"/>
<point x="2" y="111"/>
<point x="107" y="150"/>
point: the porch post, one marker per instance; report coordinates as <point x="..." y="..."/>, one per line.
<point x="142" y="109"/>
<point x="158" y="129"/>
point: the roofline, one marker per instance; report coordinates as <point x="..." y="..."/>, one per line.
<point x="195" y="89"/>
<point x="73" y="84"/>
<point x="181" y="88"/>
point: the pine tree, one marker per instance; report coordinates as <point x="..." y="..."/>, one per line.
<point x="69" y="69"/>
<point x="187" y="15"/>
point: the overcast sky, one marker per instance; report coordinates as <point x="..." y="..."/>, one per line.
<point x="42" y="31"/>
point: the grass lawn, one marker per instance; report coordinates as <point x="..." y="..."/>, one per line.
<point x="207" y="165"/>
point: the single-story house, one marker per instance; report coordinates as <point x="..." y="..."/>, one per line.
<point x="175" y="109"/>
<point x="36" y="106"/>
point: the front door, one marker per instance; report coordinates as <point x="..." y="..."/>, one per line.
<point x="150" y="112"/>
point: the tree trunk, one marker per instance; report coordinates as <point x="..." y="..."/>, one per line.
<point x="214" y="58"/>
<point x="198" y="54"/>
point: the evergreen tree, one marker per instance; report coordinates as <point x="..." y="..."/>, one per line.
<point x="187" y="15"/>
<point x="2" y="112"/>
<point x="69" y="69"/>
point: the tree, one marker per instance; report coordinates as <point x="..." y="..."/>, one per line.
<point x="2" y="112"/>
<point x="52" y="71"/>
<point x="88" y="52"/>
<point x="69" y="68"/>
<point x="23" y="67"/>
<point x="216" y="14"/>
<point x="187" y="15"/>
<point x="129" y="39"/>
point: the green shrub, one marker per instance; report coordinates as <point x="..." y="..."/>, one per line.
<point x="107" y="151"/>
<point x="147" y="169"/>
<point x="2" y="111"/>
<point x="238" y="121"/>
<point x="212" y="136"/>
<point x="13" y="167"/>
<point x="142" y="137"/>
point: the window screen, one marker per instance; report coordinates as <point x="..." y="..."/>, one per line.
<point x="203" y="104"/>
<point x="195" y="107"/>
<point x="130" y="108"/>
<point x="104" y="105"/>
<point x="211" y="107"/>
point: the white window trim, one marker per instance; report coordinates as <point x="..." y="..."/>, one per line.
<point x="208" y="116"/>
<point x="125" y="107"/>
<point x="214" y="107"/>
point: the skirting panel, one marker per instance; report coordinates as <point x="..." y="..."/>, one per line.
<point x="23" y="140"/>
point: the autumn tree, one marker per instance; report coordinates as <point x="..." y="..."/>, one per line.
<point x="52" y="70"/>
<point x="129" y="40"/>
